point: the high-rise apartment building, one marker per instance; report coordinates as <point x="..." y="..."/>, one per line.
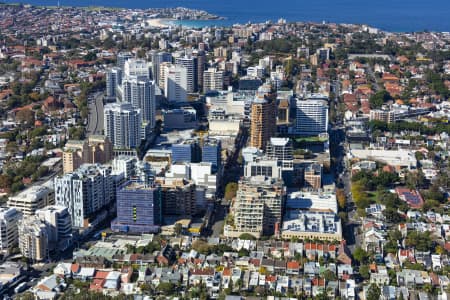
<point x="122" y="125"/>
<point x="311" y="117"/>
<point x="140" y="92"/>
<point x="263" y="122"/>
<point x="191" y="71"/>
<point x="157" y="59"/>
<point x="33" y="239"/>
<point x="85" y="192"/>
<point x="113" y="81"/>
<point x="138" y="208"/>
<point x="59" y="226"/>
<point x="200" y="57"/>
<point x="96" y="149"/>
<point x="178" y="197"/>
<point x="9" y="236"/>
<point x="175" y="83"/>
<point x="212" y="80"/>
<point x="138" y="68"/>
<point x="258" y="207"/>
<point x="122" y="57"/>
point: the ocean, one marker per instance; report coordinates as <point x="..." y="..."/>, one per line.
<point x="390" y="15"/>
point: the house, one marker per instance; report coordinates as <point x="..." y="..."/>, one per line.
<point x="380" y="277"/>
<point x="436" y="262"/>
<point x="268" y="264"/>
<point x="311" y="268"/>
<point x="344" y="272"/>
<point x="318" y="286"/>
<point x="282" y="284"/>
<point x="292" y="268"/>
<point x="63" y="270"/>
<point x="125" y="274"/>
<point x="112" y="281"/>
<point x="85" y="274"/>
<point x="349" y="290"/>
<point x="373" y="241"/>
<point x="167" y="256"/>
<point x="271" y="281"/>
<point x="197" y="276"/>
<point x="344" y="254"/>
<point x="405" y="255"/>
<point x="332" y="289"/>
<point x="49" y="287"/>
<point x="411" y="278"/>
<point x="412" y="197"/>
<point x="391" y="261"/>
<point x="307" y="287"/>
<point x="236" y="274"/>
<point x="280" y="266"/>
<point x="311" y="250"/>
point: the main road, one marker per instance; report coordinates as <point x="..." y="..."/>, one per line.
<point x="95" y="118"/>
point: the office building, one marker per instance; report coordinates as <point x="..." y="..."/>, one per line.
<point x="113" y="81"/>
<point x="157" y="59"/>
<point x="31" y="199"/>
<point x="180" y="118"/>
<point x="313" y="176"/>
<point x="212" y="153"/>
<point x="178" y="197"/>
<point x="187" y="151"/>
<point x="96" y="149"/>
<point x="281" y="149"/>
<point x="140" y="92"/>
<point x="263" y="122"/>
<point x="122" y="57"/>
<point x="138" y="208"/>
<point x="258" y="207"/>
<point x="212" y="80"/>
<point x="59" y="226"/>
<point x="175" y="83"/>
<point x="122" y="125"/>
<point x="262" y="166"/>
<point x="9" y="236"/>
<point x="191" y="72"/>
<point x="33" y="239"/>
<point x="311" y="117"/>
<point x="85" y="192"/>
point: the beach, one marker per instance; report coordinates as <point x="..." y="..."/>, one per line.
<point x="159" y="23"/>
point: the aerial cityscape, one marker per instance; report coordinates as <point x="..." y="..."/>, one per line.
<point x="167" y="153"/>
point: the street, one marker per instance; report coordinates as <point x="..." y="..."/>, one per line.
<point x="95" y="119"/>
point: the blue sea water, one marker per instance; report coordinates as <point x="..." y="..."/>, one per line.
<point x="390" y="15"/>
